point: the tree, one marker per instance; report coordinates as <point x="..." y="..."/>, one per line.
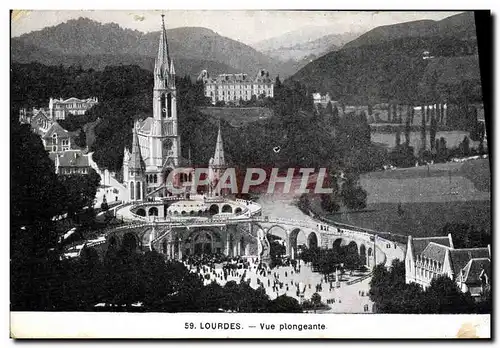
<point x="329" y="109"/>
<point x="398" y="137"/>
<point x="444" y="297"/>
<point x="35" y="195"/>
<point x="407" y="132"/>
<point x="284" y="304"/>
<point x="277" y="251"/>
<point x="277" y="82"/>
<point x="353" y="195"/>
<point x="335" y="116"/>
<point x="316" y="300"/>
<point x="433" y="129"/>
<point x="81" y="139"/>
<point x="79" y="191"/>
<point x="329" y="202"/>
<point x="423" y="132"/>
<point x="464" y="146"/>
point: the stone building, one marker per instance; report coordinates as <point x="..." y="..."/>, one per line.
<point x="429" y="257"/>
<point x="231" y="88"/>
<point x="60" y="108"/>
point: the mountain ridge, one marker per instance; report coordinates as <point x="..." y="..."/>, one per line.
<point x="459" y="25"/>
<point x="385" y="65"/>
<point x="86" y="37"/>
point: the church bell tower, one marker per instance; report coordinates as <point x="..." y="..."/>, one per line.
<point x="165" y="138"/>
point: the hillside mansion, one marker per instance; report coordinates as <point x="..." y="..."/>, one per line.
<point x="232" y="88"/>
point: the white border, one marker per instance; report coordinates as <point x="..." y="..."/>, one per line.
<point x="164" y="325"/>
<point x="381" y="325"/>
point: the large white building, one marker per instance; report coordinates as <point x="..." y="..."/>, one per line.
<point x="429" y="257"/>
<point x="231" y="88"/>
<point x="60" y="108"/>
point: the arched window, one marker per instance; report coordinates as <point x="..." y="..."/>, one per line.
<point x="155" y="178"/>
<point x="169" y="105"/>
<point x="138" y="194"/>
<point x="131" y="189"/>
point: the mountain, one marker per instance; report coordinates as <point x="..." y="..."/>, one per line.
<point x="95" y="45"/>
<point x="26" y="53"/>
<point x="309" y="42"/>
<point x="461" y="26"/>
<point x="311" y="49"/>
<point x="388" y="63"/>
<point x="299" y="36"/>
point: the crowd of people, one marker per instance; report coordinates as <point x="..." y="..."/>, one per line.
<point x="283" y="279"/>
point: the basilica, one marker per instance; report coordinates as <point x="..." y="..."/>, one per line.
<point x="156" y="142"/>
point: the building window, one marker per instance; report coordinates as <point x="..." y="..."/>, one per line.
<point x="65" y="144"/>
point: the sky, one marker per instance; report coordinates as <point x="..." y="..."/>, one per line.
<point x="242" y="25"/>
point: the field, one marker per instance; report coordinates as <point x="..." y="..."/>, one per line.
<point x="430" y="197"/>
<point x="237" y="117"/>
<point x="419" y="219"/>
<point x="453" y="138"/>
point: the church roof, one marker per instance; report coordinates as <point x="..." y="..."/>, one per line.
<point x="460" y="257"/>
<point x="146" y="125"/>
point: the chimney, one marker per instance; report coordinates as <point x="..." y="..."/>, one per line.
<point x="451" y="240"/>
<point x="489" y="250"/>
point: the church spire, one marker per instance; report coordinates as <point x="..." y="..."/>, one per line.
<point x="136" y="163"/>
<point x="219" y="160"/>
<point x="163" y="62"/>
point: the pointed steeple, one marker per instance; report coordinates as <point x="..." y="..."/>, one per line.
<point x="219" y="160"/>
<point x="162" y="63"/>
<point x="172" y="69"/>
<point x="136" y="163"/>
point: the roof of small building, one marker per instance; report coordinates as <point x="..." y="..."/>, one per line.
<point x="474" y="269"/>
<point x="261" y="77"/>
<point x="435" y="252"/>
<point x="73" y="158"/>
<point x="74" y="100"/>
<point x="460" y="257"/>
<point x="56" y="128"/>
<point x="419" y="244"/>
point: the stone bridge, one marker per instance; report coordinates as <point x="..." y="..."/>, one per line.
<point x="237" y="236"/>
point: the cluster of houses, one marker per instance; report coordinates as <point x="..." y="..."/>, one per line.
<point x="58" y="142"/>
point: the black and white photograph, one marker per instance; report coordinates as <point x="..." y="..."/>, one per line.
<point x="250" y="173"/>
